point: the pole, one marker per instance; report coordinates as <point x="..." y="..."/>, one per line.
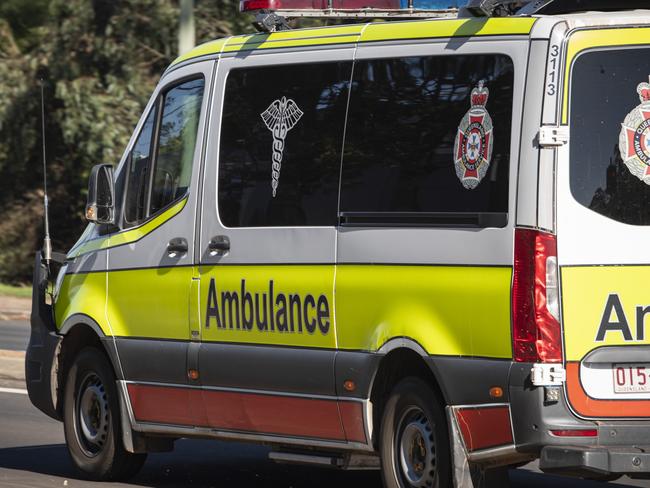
<point x="186" y="30"/>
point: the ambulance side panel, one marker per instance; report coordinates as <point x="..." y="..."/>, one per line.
<point x="446" y="287"/>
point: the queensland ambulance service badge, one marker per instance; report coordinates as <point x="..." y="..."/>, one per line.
<point x="634" y="141"/>
<point x="474" y="140"/>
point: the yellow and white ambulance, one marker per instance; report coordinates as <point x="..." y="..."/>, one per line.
<point x="415" y="245"/>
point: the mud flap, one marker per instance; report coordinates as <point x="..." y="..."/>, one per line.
<point x="466" y="474"/>
<point x="461" y="467"/>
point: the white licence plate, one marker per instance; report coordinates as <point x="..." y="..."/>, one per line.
<point x="631" y="378"/>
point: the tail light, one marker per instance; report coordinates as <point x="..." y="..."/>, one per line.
<point x="535" y="298"/>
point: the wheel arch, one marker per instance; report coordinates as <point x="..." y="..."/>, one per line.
<point x="79" y="331"/>
<point x="401" y="357"/>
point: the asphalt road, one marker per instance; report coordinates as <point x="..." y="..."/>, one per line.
<point x="33" y="454"/>
<point x="14" y="334"/>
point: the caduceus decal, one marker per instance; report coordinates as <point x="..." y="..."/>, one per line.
<point x="281" y="116"/>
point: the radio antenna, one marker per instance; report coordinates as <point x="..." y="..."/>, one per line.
<point x="47" y="244"/>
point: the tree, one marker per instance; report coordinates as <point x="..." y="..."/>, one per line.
<point x="99" y="61"/>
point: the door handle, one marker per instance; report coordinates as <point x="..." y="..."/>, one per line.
<point x="177" y="247"/>
<point x="219" y="246"/>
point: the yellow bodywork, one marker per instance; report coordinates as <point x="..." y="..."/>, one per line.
<point x="586" y="291"/>
<point x="362" y="33"/>
<point x="458" y="311"/>
<point x="127" y="236"/>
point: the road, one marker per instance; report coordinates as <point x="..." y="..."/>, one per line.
<point x="33" y="454"/>
<point x="14" y="335"/>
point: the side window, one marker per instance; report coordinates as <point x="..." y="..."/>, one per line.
<point x="428" y="140"/>
<point x="165" y="147"/>
<point x="177" y="140"/>
<point x="281" y="140"/>
<point x="138" y="173"/>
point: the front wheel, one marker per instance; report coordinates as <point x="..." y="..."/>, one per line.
<point x="91" y="420"/>
<point x="414" y="442"/>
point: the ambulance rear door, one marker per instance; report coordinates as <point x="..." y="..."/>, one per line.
<point x="603" y="221"/>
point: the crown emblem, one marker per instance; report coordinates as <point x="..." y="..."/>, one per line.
<point x="480" y="94"/>
<point x="644" y="92"/>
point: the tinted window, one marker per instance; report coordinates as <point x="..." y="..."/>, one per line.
<point x="281" y="139"/>
<point x="608" y="130"/>
<point x="175" y="135"/>
<point x="176" y="143"/>
<point x="138" y="173"/>
<point x="401" y="142"/>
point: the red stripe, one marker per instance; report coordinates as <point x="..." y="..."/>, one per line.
<point x="485" y="427"/>
<point x="352" y="419"/>
<point x="248" y="412"/>
<point x="270" y="414"/>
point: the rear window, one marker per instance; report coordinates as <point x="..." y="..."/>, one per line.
<point x="610" y="134"/>
<point x="428" y="141"/>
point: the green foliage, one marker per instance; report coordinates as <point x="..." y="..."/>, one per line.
<point x="99" y="61"/>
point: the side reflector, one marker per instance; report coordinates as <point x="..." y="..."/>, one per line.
<point x="575" y="433"/>
<point x="535" y="301"/>
<point x="496" y="392"/>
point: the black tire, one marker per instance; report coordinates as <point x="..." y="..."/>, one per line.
<point x="414" y="441"/>
<point x="91" y="420"/>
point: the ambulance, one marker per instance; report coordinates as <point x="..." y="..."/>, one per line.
<point x="416" y="241"/>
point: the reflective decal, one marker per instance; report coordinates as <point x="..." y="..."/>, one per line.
<point x="634" y="142"/>
<point x="280" y="117"/>
<point x="474" y="140"/>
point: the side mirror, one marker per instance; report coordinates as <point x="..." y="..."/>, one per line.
<point x="101" y="195"/>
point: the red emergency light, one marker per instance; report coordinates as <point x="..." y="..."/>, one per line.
<point x="389" y="8"/>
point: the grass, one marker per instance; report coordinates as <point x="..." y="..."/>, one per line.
<point x="20" y="291"/>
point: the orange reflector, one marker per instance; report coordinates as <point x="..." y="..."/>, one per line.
<point x="575" y="433"/>
<point x="496" y="392"/>
<point x="349" y="385"/>
<point x="193" y="374"/>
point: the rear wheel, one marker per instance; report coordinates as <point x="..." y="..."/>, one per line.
<point x="91" y="420"/>
<point x="414" y="443"/>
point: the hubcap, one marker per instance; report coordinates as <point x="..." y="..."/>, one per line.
<point x="416" y="448"/>
<point x="92" y="415"/>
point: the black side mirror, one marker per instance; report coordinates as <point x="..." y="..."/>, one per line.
<point x="101" y="195"/>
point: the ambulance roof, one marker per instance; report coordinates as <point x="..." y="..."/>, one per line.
<point x="538" y="26"/>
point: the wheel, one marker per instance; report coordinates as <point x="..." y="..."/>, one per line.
<point x="91" y="420"/>
<point x="414" y="442"/>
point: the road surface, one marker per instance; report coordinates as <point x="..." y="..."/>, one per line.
<point x="14" y="335"/>
<point x="32" y="454"/>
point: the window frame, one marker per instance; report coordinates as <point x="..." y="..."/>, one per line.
<point x="154" y="146"/>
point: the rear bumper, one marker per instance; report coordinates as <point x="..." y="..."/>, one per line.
<point x="618" y="447"/>
<point x="596" y="461"/>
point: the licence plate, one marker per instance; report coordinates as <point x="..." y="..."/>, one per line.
<point x="631" y="378"/>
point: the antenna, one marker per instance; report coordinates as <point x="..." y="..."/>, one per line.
<point x="47" y="244"/>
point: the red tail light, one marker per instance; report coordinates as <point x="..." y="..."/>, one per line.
<point x="535" y="295"/>
<point x="575" y="433"/>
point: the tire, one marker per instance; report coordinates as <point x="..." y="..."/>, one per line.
<point x="414" y="441"/>
<point x="91" y="420"/>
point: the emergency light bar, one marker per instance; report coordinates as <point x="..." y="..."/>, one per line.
<point x="354" y="8"/>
